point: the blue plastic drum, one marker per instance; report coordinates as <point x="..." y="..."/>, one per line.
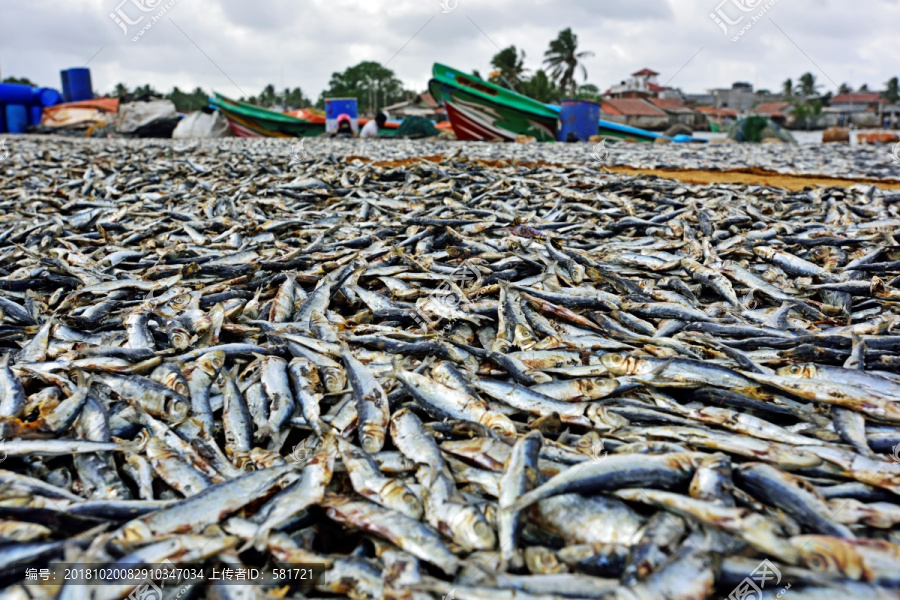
<point x="580" y="117"/>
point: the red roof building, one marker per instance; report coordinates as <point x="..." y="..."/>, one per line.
<point x="772" y="109"/>
<point x="866" y="98"/>
<point x="631" y="107"/>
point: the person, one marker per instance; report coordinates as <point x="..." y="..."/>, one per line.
<point x="370" y="129"/>
<point x="344" y="127"/>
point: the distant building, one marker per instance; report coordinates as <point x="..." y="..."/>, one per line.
<point x="863" y="109"/>
<point x="678" y="112"/>
<point x="635" y="112"/>
<point x="642" y="84"/>
<point x="776" y="111"/>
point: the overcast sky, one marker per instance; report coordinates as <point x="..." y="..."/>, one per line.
<point x="236" y="47"/>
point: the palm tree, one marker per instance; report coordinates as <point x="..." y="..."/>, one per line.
<point x="808" y="85"/>
<point x="864" y="87"/>
<point x="844" y="88"/>
<point x="562" y="58"/>
<point x="892" y="93"/>
<point x="787" y="88"/>
<point x="510" y="65"/>
<point x="121" y="90"/>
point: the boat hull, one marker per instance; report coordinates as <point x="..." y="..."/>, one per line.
<point x="250" y="121"/>
<point x="480" y="111"/>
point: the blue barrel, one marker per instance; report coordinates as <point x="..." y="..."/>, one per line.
<point x="16" y="93"/>
<point x="335" y="107"/>
<point x="2" y="119"/>
<point x="35" y="113"/>
<point x="17" y="118"/>
<point x="47" y="97"/>
<point x="80" y="84"/>
<point x="579" y="117"/>
<point x="66" y="86"/>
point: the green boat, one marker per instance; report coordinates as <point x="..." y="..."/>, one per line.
<point x="247" y="120"/>
<point x="480" y="110"/>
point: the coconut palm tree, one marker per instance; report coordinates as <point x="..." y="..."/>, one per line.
<point x="510" y="65"/>
<point x="808" y="85"/>
<point x="562" y="58"/>
<point x="893" y="89"/>
<point x="787" y="88"/>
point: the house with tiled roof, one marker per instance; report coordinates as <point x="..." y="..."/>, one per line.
<point x="635" y="112"/>
<point x="776" y="111"/>
<point x="679" y="112"/>
<point x="863" y="109"/>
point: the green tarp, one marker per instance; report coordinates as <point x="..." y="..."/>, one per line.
<point x="417" y="127"/>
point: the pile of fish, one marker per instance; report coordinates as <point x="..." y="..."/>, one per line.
<point x="443" y="379"/>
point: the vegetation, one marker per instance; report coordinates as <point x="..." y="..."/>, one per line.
<point x="22" y="80"/>
<point x="373" y="86"/>
<point x="892" y="93"/>
<point x="541" y="88"/>
<point x="804" y="112"/>
<point x="563" y="59"/>
<point x="808" y="86"/>
<point x="787" y="88"/>
<point x="510" y="67"/>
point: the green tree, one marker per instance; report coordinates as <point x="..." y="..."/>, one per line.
<point x="563" y="59"/>
<point x="864" y="87"/>
<point x="787" y="88"/>
<point x="844" y="88"/>
<point x="510" y="66"/>
<point x="145" y="91"/>
<point x="540" y="88"/>
<point x="188" y="102"/>
<point x="22" y="80"/>
<point x="892" y="93"/>
<point x="373" y="86"/>
<point x="588" y="91"/>
<point x="295" y="98"/>
<point x="120" y="91"/>
<point x="808" y="85"/>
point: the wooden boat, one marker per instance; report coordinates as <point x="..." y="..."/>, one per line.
<point x="480" y="110"/>
<point x="247" y="120"/>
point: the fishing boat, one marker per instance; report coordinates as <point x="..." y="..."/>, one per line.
<point x="247" y="120"/>
<point x="480" y="110"/>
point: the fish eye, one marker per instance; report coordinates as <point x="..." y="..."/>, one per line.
<point x="795" y="370"/>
